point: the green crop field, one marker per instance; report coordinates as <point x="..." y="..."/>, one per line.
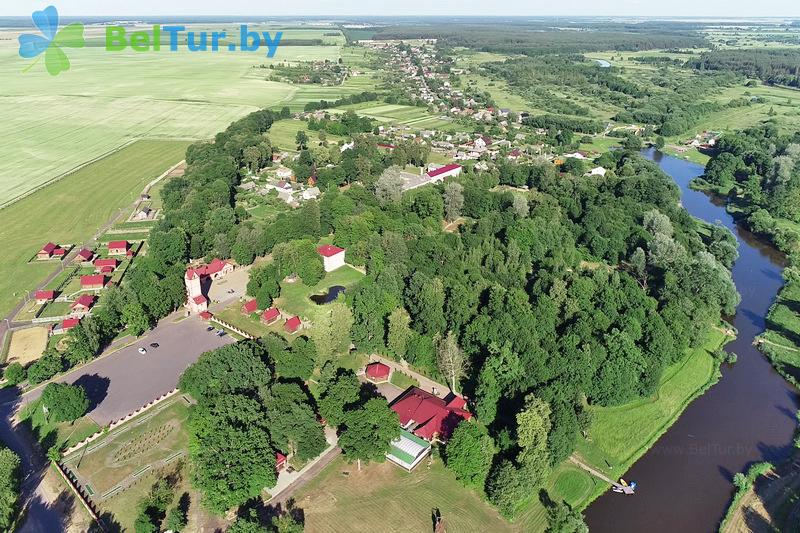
<point x="416" y="117"/>
<point x="72" y="209"/>
<point x="54" y="124"/>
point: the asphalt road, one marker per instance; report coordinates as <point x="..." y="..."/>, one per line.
<point x="126" y="380"/>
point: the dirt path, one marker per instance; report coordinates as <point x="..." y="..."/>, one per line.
<point x="308" y="475"/>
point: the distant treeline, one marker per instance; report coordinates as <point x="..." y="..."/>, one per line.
<point x="658" y="60"/>
<point x="521" y="40"/>
<point x="564" y="123"/>
<point x="779" y="66"/>
<point x="366" y="96"/>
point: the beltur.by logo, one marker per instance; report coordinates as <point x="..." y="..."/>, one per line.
<point x="117" y="39"/>
<point x="51" y="41"/>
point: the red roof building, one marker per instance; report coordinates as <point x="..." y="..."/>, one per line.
<point x="47" y="251"/>
<point x="332" y="257"/>
<point x="69" y="323"/>
<point x="96" y="281"/>
<point x="250" y="306"/>
<point x="44" y="296"/>
<point x="378" y="372"/>
<point x="205" y="315"/>
<point x="84" y="254"/>
<point x="270" y="315"/>
<point x="428" y="416"/>
<point x="280" y="461"/>
<point x="83" y="303"/>
<point x="292" y="325"/>
<point x="200" y="299"/>
<point x="329" y="250"/>
<point x="216" y="269"/>
<point x="442" y="172"/>
<point x="59" y="252"/>
<point x="118" y="248"/>
<point x="386" y="146"/>
<point x="105" y="265"/>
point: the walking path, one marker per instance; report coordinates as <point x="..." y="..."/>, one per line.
<point x="307" y="474"/>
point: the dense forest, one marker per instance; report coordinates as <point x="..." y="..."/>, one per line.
<point x="520" y="39"/>
<point x="777" y="66"/>
<point x="762" y="167"/>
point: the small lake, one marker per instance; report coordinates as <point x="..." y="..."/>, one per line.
<point x="685" y="479"/>
<point x="328" y="297"/>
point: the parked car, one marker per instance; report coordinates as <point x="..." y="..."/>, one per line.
<point x="210" y="328"/>
<point x="142" y="350"/>
<point x="154" y="345"/>
<point x="220" y="333"/>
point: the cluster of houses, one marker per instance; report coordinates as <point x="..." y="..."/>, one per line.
<point x="424" y="418"/>
<point x="285" y="185"/>
<point x="90" y="284"/>
<point x="291" y="323"/>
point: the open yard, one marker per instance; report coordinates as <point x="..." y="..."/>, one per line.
<point x="27" y="345"/>
<point x="73" y="208"/>
<point x="48" y="433"/>
<point x="383" y="497"/>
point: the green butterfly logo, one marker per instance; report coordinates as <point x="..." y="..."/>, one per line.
<point x="51" y="41"/>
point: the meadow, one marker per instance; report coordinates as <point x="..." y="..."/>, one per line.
<point x="72" y="209"/>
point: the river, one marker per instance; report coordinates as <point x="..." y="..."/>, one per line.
<point x="684" y="481"/>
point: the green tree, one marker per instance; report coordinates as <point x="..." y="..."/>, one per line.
<point x="399" y="332"/>
<point x="451" y="360"/>
<point x="469" y="453"/>
<point x="15" y="373"/>
<point x="338" y="393"/>
<point x="301" y="139"/>
<point x="9" y="487"/>
<point x="65" y="402"/>
<point x="298" y="362"/>
<point x="331" y="331"/>
<point x="368" y="431"/>
<point x="453" y="200"/>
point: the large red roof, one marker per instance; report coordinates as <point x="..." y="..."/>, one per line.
<point x="45" y="295"/>
<point x="199" y="299"/>
<point x="270" y="314"/>
<point x="213" y="267"/>
<point x="250" y="306"/>
<point x="430" y="415"/>
<point x="70" y="323"/>
<point x="85" y="254"/>
<point x="329" y="250"/>
<point x="442" y="170"/>
<point x="117" y="245"/>
<point x="99" y="263"/>
<point x="97" y="279"/>
<point x="48" y="248"/>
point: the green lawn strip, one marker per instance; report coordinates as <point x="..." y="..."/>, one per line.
<point x="402" y="380"/>
<point x="782" y="336"/>
<point x="49" y="433"/>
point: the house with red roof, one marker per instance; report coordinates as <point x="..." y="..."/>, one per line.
<point x="292" y="325"/>
<point x="44" y="296"/>
<point x="83" y="304"/>
<point x="66" y="325"/>
<point x="197" y="280"/>
<point x="439" y="173"/>
<point x="105" y="266"/>
<point x="250" y="306"/>
<point x="93" y="282"/>
<point x="332" y="256"/>
<point x="428" y="416"/>
<point x="118" y="248"/>
<point x="270" y="315"/>
<point x="378" y="372"/>
<point x="47" y="251"/>
<point x="59" y="252"/>
<point x="280" y="461"/>
<point x="84" y="255"/>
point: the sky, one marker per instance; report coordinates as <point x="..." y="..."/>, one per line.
<point x="671" y="8"/>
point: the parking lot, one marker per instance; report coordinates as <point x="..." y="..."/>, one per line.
<point x="126" y="380"/>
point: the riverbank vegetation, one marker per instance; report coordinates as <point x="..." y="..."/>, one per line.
<point x="9" y="487"/>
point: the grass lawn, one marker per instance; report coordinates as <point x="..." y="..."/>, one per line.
<point x="49" y="433"/>
<point x="402" y="380"/>
<point x="782" y="337"/>
<point x="73" y="208"/>
<point x="294" y="298"/>
<point x="283" y="132"/>
<point x="383" y="497"/>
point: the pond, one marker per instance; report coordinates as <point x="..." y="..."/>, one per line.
<point x="331" y="295"/>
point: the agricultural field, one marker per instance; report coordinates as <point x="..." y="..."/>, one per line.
<point x="416" y="117"/>
<point x="54" y="124"/>
<point x="27" y="345"/>
<point x="282" y="135"/>
<point x="73" y="208"/>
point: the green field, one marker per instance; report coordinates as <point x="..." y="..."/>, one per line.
<point x="72" y="209"/>
<point x="54" y="124"/>
<point x="781" y="341"/>
<point x="282" y="135"/>
<point x="416" y="117"/>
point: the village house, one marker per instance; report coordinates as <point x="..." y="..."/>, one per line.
<point x="332" y="257"/>
<point x="66" y="325"/>
<point x="144" y="213"/>
<point x="249" y="307"/>
<point x="292" y="325"/>
<point x="105" y="266"/>
<point x="312" y="193"/>
<point x="437" y="173"/>
<point x="82" y="305"/>
<point x="93" y="282"/>
<point x="84" y="255"/>
<point x="49" y="251"/>
<point x="198" y="279"/>
<point x="269" y="316"/>
<point x="118" y="248"/>
<point x="43" y="297"/>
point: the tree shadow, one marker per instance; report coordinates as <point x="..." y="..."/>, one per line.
<point x="96" y="388"/>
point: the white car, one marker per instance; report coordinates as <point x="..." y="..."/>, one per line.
<point x="142" y="350"/>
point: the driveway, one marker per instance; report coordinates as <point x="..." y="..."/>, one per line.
<point x="126" y="380"/>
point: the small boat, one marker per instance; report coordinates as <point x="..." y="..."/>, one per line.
<point x="617" y="489"/>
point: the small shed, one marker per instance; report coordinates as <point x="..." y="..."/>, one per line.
<point x="378" y="372"/>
